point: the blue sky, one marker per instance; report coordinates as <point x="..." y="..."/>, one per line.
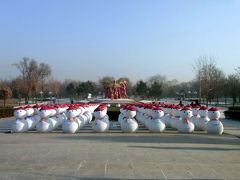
<point x="89" y="39"/>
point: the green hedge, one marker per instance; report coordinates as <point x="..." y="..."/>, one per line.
<point x="6" y="112"/>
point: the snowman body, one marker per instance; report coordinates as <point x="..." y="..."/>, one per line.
<point x="129" y="125"/>
<point x="214" y="126"/>
<point x="154" y="122"/>
<point x="101" y="125"/>
<point x="185" y="125"/>
<point x="19" y="124"/>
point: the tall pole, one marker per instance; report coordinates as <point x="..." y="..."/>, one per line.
<point x="42" y="87"/>
<point x="200" y="86"/>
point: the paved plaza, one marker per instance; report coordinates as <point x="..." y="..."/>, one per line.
<point x="117" y="155"/>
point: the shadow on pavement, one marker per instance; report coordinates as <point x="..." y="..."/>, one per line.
<point x="189" y="148"/>
<point x="155" y="138"/>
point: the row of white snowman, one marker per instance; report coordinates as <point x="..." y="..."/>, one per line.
<point x="184" y="119"/>
<point x="72" y="118"/>
<point x="47" y="118"/>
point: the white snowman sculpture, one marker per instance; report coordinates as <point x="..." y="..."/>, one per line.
<point x="185" y="125"/>
<point x="36" y="116"/>
<point x="201" y="122"/>
<point x="168" y="115"/>
<point x="19" y="124"/>
<point x="52" y="118"/>
<point x="139" y="113"/>
<point x="44" y="125"/>
<point x="101" y="119"/>
<point x="196" y="116"/>
<point x="59" y="114"/>
<point x="70" y="125"/>
<point x="175" y="120"/>
<point x="31" y="122"/>
<point x="128" y="123"/>
<point x="154" y="122"/>
<point x="214" y="126"/>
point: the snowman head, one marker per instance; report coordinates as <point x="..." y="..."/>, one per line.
<point x="157" y="112"/>
<point x="203" y="111"/>
<point x="53" y="111"/>
<point x="186" y="113"/>
<point x="195" y="110"/>
<point x="177" y="110"/>
<point x="29" y="110"/>
<point x="57" y="109"/>
<point x="36" y="109"/>
<point x="122" y="109"/>
<point x="100" y="112"/>
<point x="214" y="113"/>
<point x="130" y="111"/>
<point x="19" y="113"/>
<point x="71" y="112"/>
<point x="79" y="110"/>
<point x="45" y="112"/>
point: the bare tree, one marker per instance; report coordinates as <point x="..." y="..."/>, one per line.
<point x="5" y="92"/>
<point x="31" y="75"/>
<point x="53" y="86"/>
<point x="208" y="76"/>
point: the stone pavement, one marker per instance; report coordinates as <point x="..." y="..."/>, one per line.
<point x="116" y="155"/>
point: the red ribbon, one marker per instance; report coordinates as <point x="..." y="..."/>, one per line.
<point x="185" y="120"/>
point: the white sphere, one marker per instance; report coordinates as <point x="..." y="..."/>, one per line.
<point x="167" y="120"/>
<point x="155" y="125"/>
<point x="44" y="126"/>
<point x="201" y="123"/>
<point x="70" y="126"/>
<point x="157" y="113"/>
<point x="215" y="127"/>
<point x="20" y="113"/>
<point x="29" y="111"/>
<point x="31" y="122"/>
<point x="129" y="125"/>
<point x="185" y="127"/>
<point x="19" y="125"/>
<point x="100" y="125"/>
<point x="100" y="114"/>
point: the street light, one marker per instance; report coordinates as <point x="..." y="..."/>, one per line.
<point x="50" y="93"/>
<point x="41" y="93"/>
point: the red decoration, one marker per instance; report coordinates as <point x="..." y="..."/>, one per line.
<point x="116" y="90"/>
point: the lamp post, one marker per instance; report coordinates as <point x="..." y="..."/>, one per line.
<point x="50" y="93"/>
<point x="41" y="93"/>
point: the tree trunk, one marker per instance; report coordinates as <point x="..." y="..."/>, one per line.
<point x="26" y="99"/>
<point x="4" y="102"/>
